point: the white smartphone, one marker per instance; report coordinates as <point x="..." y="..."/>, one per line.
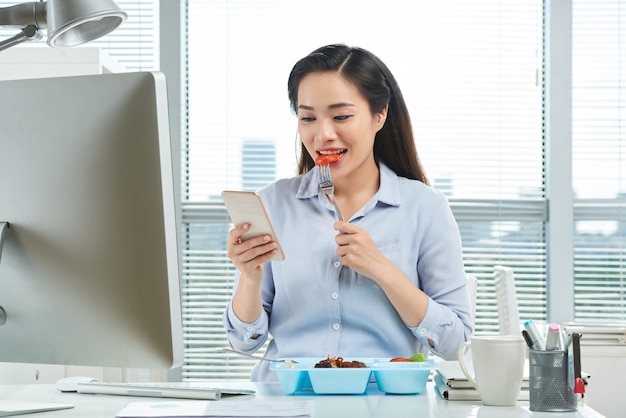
<point x="247" y="207"/>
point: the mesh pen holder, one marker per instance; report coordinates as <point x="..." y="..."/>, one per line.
<point x="550" y="386"/>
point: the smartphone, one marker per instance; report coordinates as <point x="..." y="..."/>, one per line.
<point x="247" y="207"/>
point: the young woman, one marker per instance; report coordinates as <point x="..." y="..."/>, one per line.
<point x="388" y="281"/>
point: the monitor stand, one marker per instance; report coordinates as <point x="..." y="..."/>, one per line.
<point x="10" y="408"/>
<point x="3" y="227"/>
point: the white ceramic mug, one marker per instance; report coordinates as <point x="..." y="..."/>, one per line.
<point x="499" y="367"/>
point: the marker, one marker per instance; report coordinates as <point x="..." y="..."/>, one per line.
<point x="529" y="342"/>
<point x="535" y="336"/>
<point x="554" y="335"/>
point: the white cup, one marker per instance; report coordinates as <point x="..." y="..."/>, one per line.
<point x="499" y="367"/>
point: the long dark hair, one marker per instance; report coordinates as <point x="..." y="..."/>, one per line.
<point x="394" y="145"/>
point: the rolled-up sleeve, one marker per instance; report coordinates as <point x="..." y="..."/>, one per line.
<point x="245" y="336"/>
<point x="444" y="328"/>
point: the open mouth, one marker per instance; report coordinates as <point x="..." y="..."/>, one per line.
<point x="329" y="157"/>
<point x="340" y="152"/>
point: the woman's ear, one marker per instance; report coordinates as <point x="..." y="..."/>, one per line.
<point x="381" y="117"/>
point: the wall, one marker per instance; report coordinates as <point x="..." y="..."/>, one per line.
<point x="42" y="61"/>
<point x="606" y="366"/>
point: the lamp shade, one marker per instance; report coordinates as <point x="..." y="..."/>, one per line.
<point x="75" y="22"/>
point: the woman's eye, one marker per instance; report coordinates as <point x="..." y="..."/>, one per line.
<point x="342" y="117"/>
<point x="307" y="118"/>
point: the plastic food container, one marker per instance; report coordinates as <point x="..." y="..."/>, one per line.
<point x="402" y="377"/>
<point x="392" y="378"/>
<point x="295" y="377"/>
<point x="348" y="381"/>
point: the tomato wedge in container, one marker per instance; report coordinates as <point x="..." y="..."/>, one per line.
<point x="399" y="359"/>
<point x="418" y="358"/>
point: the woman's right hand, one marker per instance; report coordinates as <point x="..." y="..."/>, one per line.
<point x="249" y="255"/>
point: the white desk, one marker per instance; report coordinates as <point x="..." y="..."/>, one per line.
<point x="372" y="405"/>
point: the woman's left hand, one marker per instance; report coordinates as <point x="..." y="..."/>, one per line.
<point x="358" y="250"/>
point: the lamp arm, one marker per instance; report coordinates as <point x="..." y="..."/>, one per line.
<point x="28" y="33"/>
<point x="3" y="227"/>
<point x="25" y="14"/>
<point x="30" y="17"/>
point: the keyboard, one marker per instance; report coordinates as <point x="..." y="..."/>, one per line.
<point x="182" y="390"/>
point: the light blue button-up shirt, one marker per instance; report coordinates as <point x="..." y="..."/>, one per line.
<point x="315" y="307"/>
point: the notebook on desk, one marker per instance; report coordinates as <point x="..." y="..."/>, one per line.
<point x="178" y="390"/>
<point x="453" y="376"/>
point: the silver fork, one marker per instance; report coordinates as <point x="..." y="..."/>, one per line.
<point x="239" y="353"/>
<point x="326" y="184"/>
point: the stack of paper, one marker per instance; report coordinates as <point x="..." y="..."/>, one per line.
<point x="230" y="408"/>
<point x="452" y="384"/>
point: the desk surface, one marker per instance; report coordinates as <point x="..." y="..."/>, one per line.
<point x="373" y="405"/>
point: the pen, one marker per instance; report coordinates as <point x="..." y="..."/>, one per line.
<point x="535" y="336"/>
<point x="554" y="335"/>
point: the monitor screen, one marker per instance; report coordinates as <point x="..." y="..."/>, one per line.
<point x="89" y="271"/>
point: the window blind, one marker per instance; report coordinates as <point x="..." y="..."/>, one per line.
<point x="135" y="44"/>
<point x="599" y="159"/>
<point x="471" y="75"/>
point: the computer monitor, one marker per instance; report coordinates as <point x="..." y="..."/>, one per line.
<point x="89" y="271"/>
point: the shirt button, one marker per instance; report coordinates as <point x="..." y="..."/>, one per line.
<point x="335" y="295"/>
<point x="337" y="264"/>
<point x="424" y="331"/>
<point x="336" y="326"/>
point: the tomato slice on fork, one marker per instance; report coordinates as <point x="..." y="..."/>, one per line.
<point x="327" y="159"/>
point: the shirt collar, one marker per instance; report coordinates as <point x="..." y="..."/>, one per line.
<point x="388" y="193"/>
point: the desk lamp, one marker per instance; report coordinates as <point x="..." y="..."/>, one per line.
<point x="69" y="22"/>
